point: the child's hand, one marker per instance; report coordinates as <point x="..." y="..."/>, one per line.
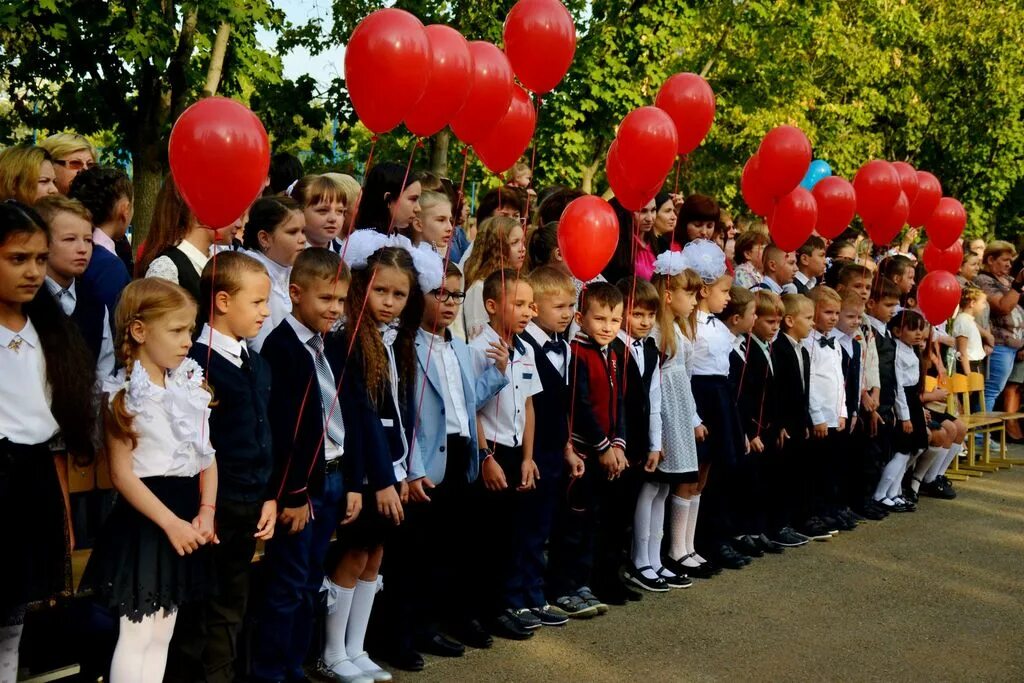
<point x="783" y="435"/>
<point x="575" y="464"/>
<point x="756" y="445"/>
<point x="700" y="432"/>
<point x="746" y="445"/>
<point x="498" y="353"/>
<point x="403" y="492"/>
<point x="852" y="423"/>
<point x="530" y="474"/>
<point x="389" y="505"/>
<point x="842" y="424"/>
<point x="268" y="520"/>
<point x="494" y="476"/>
<point x="940" y="393"/>
<point x="908" y="426"/>
<point x="869" y="402"/>
<point x="609" y="463"/>
<point x="821" y="430"/>
<point x="418" y="489"/>
<point x="294" y="519"/>
<point x="353" y="506"/>
<point x="184" y="537"/>
<point x="876" y="421"/>
<point x="653" y="458"/>
<point x="204" y="524"/>
<point x="620" y="461"/>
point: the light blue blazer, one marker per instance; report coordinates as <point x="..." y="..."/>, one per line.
<point x="429" y="457"/>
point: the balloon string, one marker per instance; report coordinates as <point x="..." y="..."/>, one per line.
<point x="533" y="152"/>
<point x="679" y="163"/>
<point x="359" y="198"/>
<point x="417" y="143"/>
<point x="572" y="407"/>
<point x="629" y="309"/>
<point x="462" y="186"/>
<point x="209" y="347"/>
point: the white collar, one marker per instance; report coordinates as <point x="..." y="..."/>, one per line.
<point x="876" y="324"/>
<point x="539" y="335"/>
<point x="197" y="257"/>
<point x="441" y="340"/>
<point x="276" y="271"/>
<point x="772" y="284"/>
<point x="27" y="334"/>
<point x="301" y="331"/>
<point x="704" y="317"/>
<point x="222" y="343"/>
<point x="56" y="289"/>
<point x="792" y="341"/>
<point x="805" y="280"/>
<point x="104" y="240"/>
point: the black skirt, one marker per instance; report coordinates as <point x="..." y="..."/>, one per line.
<point x="673" y="478"/>
<point x="918" y="438"/>
<point x="724" y="444"/>
<point x="936" y="419"/>
<point x="135" y="570"/>
<point x="370" y="529"/>
<point x="37" y="562"/>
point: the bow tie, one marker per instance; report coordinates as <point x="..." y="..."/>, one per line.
<point x="555" y="346"/>
<point x="389" y="334"/>
<point x="638" y="343"/>
<point x="830" y="342"/>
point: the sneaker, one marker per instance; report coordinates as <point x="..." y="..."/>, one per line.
<point x="674" y="580"/>
<point x="550" y="615"/>
<point x="815" y="530"/>
<point x="830" y="523"/>
<point x="507" y="626"/>
<point x="845" y="522"/>
<point x="788" y="538"/>
<point x="576" y="607"/>
<point x="725" y="556"/>
<point x="591" y="599"/>
<point x="527" y="619"/>
<point x="767" y="545"/>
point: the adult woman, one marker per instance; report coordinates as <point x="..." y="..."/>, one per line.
<point x="698" y="217"/>
<point x="1007" y="316"/>
<point x="71" y="154"/>
<point x="26" y="174"/>
<point x="665" y="217"/>
<point x="634" y="253"/>
<point x="749" y="250"/>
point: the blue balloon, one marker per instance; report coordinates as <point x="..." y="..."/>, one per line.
<point x="815" y="172"/>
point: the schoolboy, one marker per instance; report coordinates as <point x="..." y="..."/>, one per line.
<point x="71" y="248"/>
<point x="109" y="196"/>
<point x="203" y="647"/>
<point x="318" y="470"/>
<point x="827" y="408"/>
<point x="506" y="427"/>
<point x="779" y="270"/>
<point x="810" y="264"/>
<point x="598" y="433"/>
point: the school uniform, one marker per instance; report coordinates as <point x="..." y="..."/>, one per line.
<point x="772" y="286"/>
<point x="803" y="284"/>
<point x="791" y="366"/>
<point x="908" y="401"/>
<point x="280" y="301"/>
<point x="203" y="647"/>
<point x="753" y="384"/>
<point x="92" y="319"/>
<point x="826" y="405"/>
<point x="852" y="440"/>
<point x="880" y="446"/>
<point x="106" y="276"/>
<point x="314" y="465"/>
<point x="182" y="264"/>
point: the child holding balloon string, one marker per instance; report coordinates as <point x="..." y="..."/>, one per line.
<point x="500" y="243"/>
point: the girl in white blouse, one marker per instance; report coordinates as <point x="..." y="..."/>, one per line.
<point x="149" y="557"/>
<point x="274" y="237"/>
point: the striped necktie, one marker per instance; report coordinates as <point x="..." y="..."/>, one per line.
<point x="328" y="390"/>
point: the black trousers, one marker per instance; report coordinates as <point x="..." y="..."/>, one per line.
<point x="615" y="523"/>
<point x="204" y="646"/>
<point x="750" y="494"/>
<point x="789" y="506"/>
<point x="571" y="550"/>
<point x="718" y="510"/>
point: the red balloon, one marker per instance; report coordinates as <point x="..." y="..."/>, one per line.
<point x="885" y="229"/>
<point x="690" y="102"/>
<point x="938" y="295"/>
<point x="755" y="195"/>
<point x="587" y="234"/>
<point x="490" y="93"/>
<point x="387" y="61"/>
<point x="785" y="155"/>
<point x="908" y="179"/>
<point x="878" y="187"/>
<point x="630" y="197"/>
<point x="948" y="259"/>
<point x="929" y="192"/>
<point x="837" y="202"/>
<point x="540" y="41"/>
<point x="793" y="220"/>
<point x="448" y="81"/>
<point x="503" y="146"/>
<point x="219" y="156"/>
<point x="647" y="146"/>
<point x="946" y="223"/>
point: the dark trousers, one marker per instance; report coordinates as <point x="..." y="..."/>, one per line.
<point x="571" y="550"/>
<point x="821" y="480"/>
<point x="749" y="494"/>
<point x="716" y="523"/>
<point x="294" y="567"/>
<point x="789" y="473"/>
<point x="534" y="519"/>
<point x="205" y="635"/>
<point x="877" y="455"/>
<point x="615" y="523"/>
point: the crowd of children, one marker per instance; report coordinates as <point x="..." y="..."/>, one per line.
<point x="335" y="388"/>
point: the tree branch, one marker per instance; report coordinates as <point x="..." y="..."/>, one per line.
<point x="216" y="68"/>
<point x="176" y="70"/>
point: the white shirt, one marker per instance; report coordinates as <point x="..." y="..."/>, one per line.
<point x="654" y="425"/>
<point x="559" y="361"/>
<point x="503" y="418"/>
<point x="869" y="352"/>
<point x="102" y="239"/>
<point x="908" y="374"/>
<point x="163" y="266"/>
<point x="280" y="302"/>
<point x="172" y="422"/>
<point x="827" y="393"/>
<point x="25" y="416"/>
<point x="711" y="346"/>
<point x="808" y="282"/>
<point x="67" y="299"/>
<point x="774" y="286"/>
<point x="332" y="450"/>
<point x="765" y="349"/>
<point x="799" y="355"/>
<point x="456" y="414"/>
<point x="226" y="347"/>
<point x="964" y="325"/>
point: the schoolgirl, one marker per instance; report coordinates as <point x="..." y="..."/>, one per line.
<point x="324" y="207"/>
<point x="500" y="243"/>
<point x="149" y="557"/>
<point x="433" y="225"/>
<point x="390" y="201"/>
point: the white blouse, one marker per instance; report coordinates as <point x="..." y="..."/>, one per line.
<point x="908" y="374"/>
<point x="172" y="422"/>
<point x="711" y="346"/>
<point x="163" y="267"/>
<point x="280" y="303"/>
<point x="25" y="416"/>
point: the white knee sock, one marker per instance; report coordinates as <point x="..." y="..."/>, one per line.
<point x="677" y="549"/>
<point x="893" y="472"/>
<point x="155" y="661"/>
<point x="924" y="463"/>
<point x="340" y="609"/>
<point x="362" y="605"/>
<point x="10" y="641"/>
<point x="896" y="487"/>
<point x="691" y="530"/>
<point x="657" y="528"/>
<point x="642" y="523"/>
<point x="940" y="466"/>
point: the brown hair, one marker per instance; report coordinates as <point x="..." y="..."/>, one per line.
<point x="739" y="299"/>
<point x="747" y="241"/>
<point x="996" y="249"/>
<point x="311" y="190"/>
<point x="884" y="288"/>
<point x="599" y="294"/>
<point x="48" y="207"/>
<point x="639" y="293"/>
<point x="19" y="172"/>
<point x="317" y="263"/>
<point x="768" y="303"/>
<point x="172" y="220"/>
<point x="969" y="295"/>
<point x="687" y="280"/>
<point x="498" y="282"/>
<point x="490" y="249"/>
<point x="224" y="274"/>
<point x="146" y="300"/>
<point x="851" y="271"/>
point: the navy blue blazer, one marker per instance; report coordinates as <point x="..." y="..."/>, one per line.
<point x="105" y="278"/>
<point x="792" y="414"/>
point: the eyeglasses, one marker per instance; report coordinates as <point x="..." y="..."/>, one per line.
<point x="75" y="164"/>
<point x="444" y="296"/>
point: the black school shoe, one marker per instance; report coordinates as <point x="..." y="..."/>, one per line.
<point x="674" y="580"/>
<point x="440" y="646"/>
<point x="471" y="633"/>
<point x="616" y="593"/>
<point x="506" y="625"/>
<point x="767" y="545"/>
<point x="814" y="530"/>
<point x="635" y="575"/>
<point x="744" y="545"/>
<point x="726" y="557"/>
<point x="940" y="488"/>
<point x="703" y="571"/>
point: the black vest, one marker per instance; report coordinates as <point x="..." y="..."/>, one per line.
<point x="851" y="375"/>
<point x="88" y="316"/>
<point x="187" y="275"/>
<point x="638" y="397"/>
<point x="886" y="347"/>
<point x="551" y="411"/>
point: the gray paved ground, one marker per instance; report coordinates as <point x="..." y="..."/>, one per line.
<point x="926" y="596"/>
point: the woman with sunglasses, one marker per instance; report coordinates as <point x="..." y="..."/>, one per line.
<point x="71" y="154"/>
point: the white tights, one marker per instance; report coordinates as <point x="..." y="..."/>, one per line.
<point x="141" y="652"/>
<point x="10" y="639"/>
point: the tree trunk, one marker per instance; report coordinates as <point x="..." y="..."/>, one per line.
<point x="439" y="153"/>
<point x="147" y="177"/>
<point x="587" y="180"/>
<point x="216" y="68"/>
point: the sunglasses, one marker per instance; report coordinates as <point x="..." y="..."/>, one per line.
<point x="444" y="296"/>
<point x="75" y="164"/>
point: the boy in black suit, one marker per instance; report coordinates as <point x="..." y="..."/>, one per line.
<point x="810" y="265"/>
<point x="317" y="473"/>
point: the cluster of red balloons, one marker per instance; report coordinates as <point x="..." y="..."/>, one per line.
<point x="650" y="138"/>
<point x="430" y="77"/>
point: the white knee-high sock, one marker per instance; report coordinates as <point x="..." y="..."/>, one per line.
<point x="924" y="464"/>
<point x="362" y="606"/>
<point x="893" y="470"/>
<point x="896" y="487"/>
<point x="10" y="641"/>
<point x="642" y="523"/>
<point x="691" y="530"/>
<point x="681" y="509"/>
<point x="657" y="528"/>
<point x="155" y="661"/>
<point x="335" y="654"/>
<point x="940" y="466"/>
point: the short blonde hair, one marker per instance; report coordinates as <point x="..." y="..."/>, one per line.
<point x="768" y="303"/>
<point x="61" y="145"/>
<point x="823" y="293"/>
<point x="997" y="249"/>
<point x="349" y="186"/>
<point x="431" y="198"/>
<point x="48" y="207"/>
<point x="550" y="280"/>
<point x="19" y="172"/>
<point x="794" y="303"/>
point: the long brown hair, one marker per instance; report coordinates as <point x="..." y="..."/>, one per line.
<point x="19" y="172"/>
<point x="687" y="280"/>
<point x="172" y="221"/>
<point x="146" y="300"/>
<point x="490" y="249"/>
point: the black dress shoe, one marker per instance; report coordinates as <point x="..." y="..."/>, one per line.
<point x="406" y="659"/>
<point x="441" y="646"/>
<point x="767" y="545"/>
<point x="703" y="571"/>
<point x="507" y="626"/>
<point x="745" y="546"/>
<point x="471" y="633"/>
<point x="725" y="556"/>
